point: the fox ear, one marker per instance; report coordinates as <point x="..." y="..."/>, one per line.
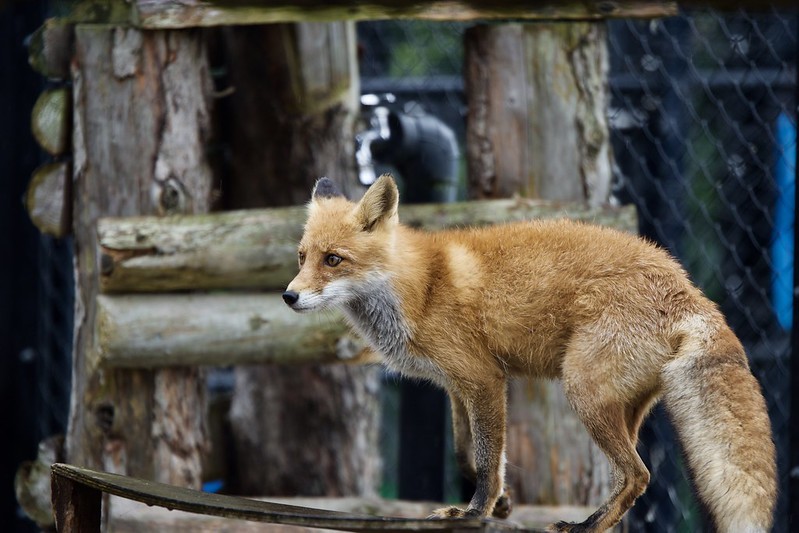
<point x="325" y="188"/>
<point x="379" y="203"/>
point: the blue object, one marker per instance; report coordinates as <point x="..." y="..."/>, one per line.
<point x="782" y="243"/>
<point x="213" y="486"/>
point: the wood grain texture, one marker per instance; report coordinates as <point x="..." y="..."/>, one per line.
<point x="51" y="47"/>
<point x="172" y="497"/>
<point x="300" y="80"/>
<point x="164" y="14"/>
<point x="525" y="82"/>
<point x="150" y="331"/>
<point x="48" y="199"/>
<point x="141" y="104"/>
<point x="256" y="249"/>
<point x="76" y="505"/>
<point x="135" y="517"/>
<point x="51" y="120"/>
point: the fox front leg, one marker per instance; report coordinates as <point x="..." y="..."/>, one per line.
<point x="485" y="410"/>
<point x="464" y="452"/>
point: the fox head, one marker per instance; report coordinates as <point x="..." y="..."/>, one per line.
<point x="344" y="245"/>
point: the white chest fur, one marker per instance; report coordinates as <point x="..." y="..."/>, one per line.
<point x="375" y="313"/>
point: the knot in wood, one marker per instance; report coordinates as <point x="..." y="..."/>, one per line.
<point x="172" y="198"/>
<point x="104" y="417"/>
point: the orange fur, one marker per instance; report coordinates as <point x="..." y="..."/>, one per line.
<point x="611" y="315"/>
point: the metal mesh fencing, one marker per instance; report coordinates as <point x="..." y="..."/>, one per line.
<point x="703" y="116"/>
<point x="55" y="327"/>
<point x="703" y="123"/>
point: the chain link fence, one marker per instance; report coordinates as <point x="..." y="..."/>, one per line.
<point x="55" y="328"/>
<point x="703" y="122"/>
<point x="703" y="116"/>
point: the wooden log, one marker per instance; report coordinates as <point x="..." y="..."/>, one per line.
<point x="150" y="331"/>
<point x="32" y="482"/>
<point x="51" y="120"/>
<point x="301" y="81"/>
<point x="48" y="199"/>
<point x="51" y="47"/>
<point x="141" y="103"/>
<point x="164" y="14"/>
<point x="256" y="249"/>
<point x="523" y="83"/>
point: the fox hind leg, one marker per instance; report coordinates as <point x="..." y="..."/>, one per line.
<point x="614" y="428"/>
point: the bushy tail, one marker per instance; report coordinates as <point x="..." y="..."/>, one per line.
<point x="720" y="417"/>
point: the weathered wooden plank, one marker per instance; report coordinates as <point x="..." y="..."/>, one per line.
<point x="173" y="497"/>
<point x="166" y="14"/>
<point x="160" y="13"/>
<point x="128" y="516"/>
<point x="256" y="249"/>
<point x="149" y="331"/>
<point x="170" y="14"/>
<point x="48" y="199"/>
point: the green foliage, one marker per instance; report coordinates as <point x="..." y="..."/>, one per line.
<point x="420" y="48"/>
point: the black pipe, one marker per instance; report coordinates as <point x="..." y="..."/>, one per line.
<point x="425" y="152"/>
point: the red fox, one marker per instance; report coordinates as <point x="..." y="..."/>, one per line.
<point x="611" y="315"/>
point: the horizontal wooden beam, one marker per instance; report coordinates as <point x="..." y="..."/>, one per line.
<point x="128" y="516"/>
<point x="162" y="14"/>
<point x="150" y="331"/>
<point x="256" y="249"/>
<point x="183" y="499"/>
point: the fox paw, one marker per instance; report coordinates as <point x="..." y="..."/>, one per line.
<point x="454" y="512"/>
<point x="504" y="506"/>
<point x="568" y="527"/>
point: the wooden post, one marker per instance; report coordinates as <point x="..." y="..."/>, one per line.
<point x="537" y="105"/>
<point x="76" y="506"/>
<point x="293" y="111"/>
<point x="537" y="99"/>
<point x="314" y="427"/>
<point x="141" y="113"/>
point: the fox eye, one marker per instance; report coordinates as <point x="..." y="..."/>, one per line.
<point x="332" y="260"/>
<point x="301" y="258"/>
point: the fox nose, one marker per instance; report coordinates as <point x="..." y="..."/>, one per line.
<point x="290" y="297"/>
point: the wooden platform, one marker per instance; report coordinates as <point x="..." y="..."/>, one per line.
<point x="77" y="496"/>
